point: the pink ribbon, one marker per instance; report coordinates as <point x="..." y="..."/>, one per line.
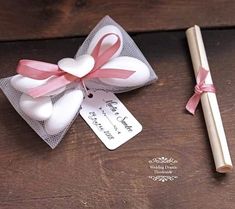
<point x="42" y="70"/>
<point x="199" y="89"/>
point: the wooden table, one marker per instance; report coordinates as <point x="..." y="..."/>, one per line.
<point x="82" y="173"/>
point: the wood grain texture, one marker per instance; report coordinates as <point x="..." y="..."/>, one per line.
<point x="82" y="173"/>
<point x="26" y="19"/>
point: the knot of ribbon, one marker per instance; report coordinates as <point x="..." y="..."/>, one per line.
<point x="199" y="89"/>
<point x="60" y="78"/>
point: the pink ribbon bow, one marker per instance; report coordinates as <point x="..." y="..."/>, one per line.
<point x="42" y="70"/>
<point x="199" y="89"/>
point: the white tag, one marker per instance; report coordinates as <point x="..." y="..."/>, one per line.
<point x="109" y="119"/>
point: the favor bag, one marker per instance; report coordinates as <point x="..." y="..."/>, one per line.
<point x="48" y="96"/>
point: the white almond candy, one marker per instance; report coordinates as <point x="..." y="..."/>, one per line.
<point x="64" y="111"/>
<point x="108" y="41"/>
<point x="38" y="109"/>
<point x="24" y="84"/>
<point x="140" y="77"/>
<point x="79" y="67"/>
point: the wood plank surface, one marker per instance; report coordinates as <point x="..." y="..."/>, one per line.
<point x="27" y="19"/>
<point x="82" y="173"/>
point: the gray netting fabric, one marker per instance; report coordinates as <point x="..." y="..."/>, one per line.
<point x="14" y="97"/>
<point x="129" y="49"/>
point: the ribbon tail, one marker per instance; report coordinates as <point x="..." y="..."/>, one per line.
<point x="107" y="54"/>
<point x="111" y="73"/>
<point x="52" y="85"/>
<point x="37" y="69"/>
<point x="193" y="103"/>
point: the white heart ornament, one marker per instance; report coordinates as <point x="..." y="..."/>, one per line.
<point x="79" y="67"/>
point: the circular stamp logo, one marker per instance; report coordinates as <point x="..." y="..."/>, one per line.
<point x="164" y="169"/>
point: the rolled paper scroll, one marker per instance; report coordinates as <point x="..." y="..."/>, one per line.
<point x="209" y="103"/>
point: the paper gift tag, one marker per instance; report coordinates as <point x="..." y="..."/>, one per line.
<point x="109" y="119"/>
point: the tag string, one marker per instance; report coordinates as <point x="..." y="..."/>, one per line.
<point x="84" y="87"/>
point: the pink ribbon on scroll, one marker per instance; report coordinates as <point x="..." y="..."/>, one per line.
<point x="42" y="70"/>
<point x="199" y="89"/>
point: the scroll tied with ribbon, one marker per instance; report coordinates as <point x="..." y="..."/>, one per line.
<point x="200" y="88"/>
